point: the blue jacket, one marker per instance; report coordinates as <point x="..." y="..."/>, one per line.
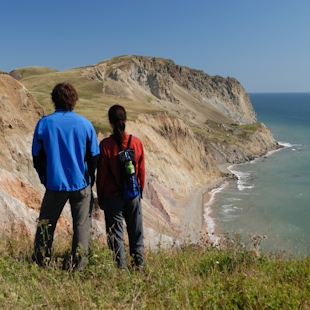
<point x="65" y="151"/>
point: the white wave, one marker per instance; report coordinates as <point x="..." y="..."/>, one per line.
<point x="211" y="226"/>
<point x="241" y="186"/>
<point x="285" y="144"/>
<point x="229" y="214"/>
<point x="208" y="219"/>
<point x="228" y="208"/>
<point x="233" y="199"/>
<point x="243" y="179"/>
<point x="214" y="192"/>
<point x="271" y="152"/>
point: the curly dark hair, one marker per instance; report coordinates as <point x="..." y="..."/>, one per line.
<point x="64" y="96"/>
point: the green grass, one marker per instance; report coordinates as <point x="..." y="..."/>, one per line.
<point x="249" y="128"/>
<point x="115" y="60"/>
<point x="31" y="71"/>
<point x="189" y="278"/>
<point x="92" y="103"/>
<point x="232" y="134"/>
<point x="149" y="98"/>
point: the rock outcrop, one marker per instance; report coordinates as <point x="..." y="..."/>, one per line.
<point x="20" y="189"/>
<point x="189" y="93"/>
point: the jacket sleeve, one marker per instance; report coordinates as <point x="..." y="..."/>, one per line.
<point x="101" y="176"/>
<point x="92" y="163"/>
<point x="141" y="168"/>
<point x="92" y="154"/>
<point x="39" y="163"/>
<point x="39" y="156"/>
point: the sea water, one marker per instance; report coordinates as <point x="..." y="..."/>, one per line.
<point x="272" y="194"/>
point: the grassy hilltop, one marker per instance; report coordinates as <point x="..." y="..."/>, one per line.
<point x="92" y="103"/>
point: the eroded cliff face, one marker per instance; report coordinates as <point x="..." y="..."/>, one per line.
<point x="184" y="154"/>
<point x="183" y="164"/>
<point x="191" y="94"/>
<point x="20" y="191"/>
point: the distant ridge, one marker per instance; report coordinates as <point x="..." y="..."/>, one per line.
<point x="19" y="74"/>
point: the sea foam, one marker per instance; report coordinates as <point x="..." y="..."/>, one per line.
<point x="208" y="219"/>
<point x="243" y="179"/>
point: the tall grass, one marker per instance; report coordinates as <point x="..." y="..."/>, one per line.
<point x="190" y="277"/>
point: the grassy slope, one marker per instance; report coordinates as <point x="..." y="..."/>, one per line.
<point x="35" y="70"/>
<point x="191" y="278"/>
<point x="92" y="103"/>
<point x="219" y="135"/>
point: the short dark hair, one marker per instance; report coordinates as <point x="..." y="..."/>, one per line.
<point x="64" y="96"/>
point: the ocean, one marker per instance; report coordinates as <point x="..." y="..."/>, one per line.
<point x="271" y="197"/>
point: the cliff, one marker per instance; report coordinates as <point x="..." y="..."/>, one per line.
<point x="187" y="93"/>
<point x="191" y="125"/>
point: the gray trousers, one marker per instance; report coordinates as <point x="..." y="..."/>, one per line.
<point x="116" y="209"/>
<point x="51" y="208"/>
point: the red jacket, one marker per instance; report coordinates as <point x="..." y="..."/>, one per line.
<point x="109" y="181"/>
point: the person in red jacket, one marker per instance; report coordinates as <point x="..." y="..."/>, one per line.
<point x="109" y="190"/>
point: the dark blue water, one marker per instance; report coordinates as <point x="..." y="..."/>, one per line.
<point x="272" y="195"/>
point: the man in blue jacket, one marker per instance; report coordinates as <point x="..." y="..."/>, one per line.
<point x="65" y="154"/>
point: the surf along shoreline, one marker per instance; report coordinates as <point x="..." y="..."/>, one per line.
<point x="210" y="230"/>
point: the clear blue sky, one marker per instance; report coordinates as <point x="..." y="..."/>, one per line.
<point x="264" y="44"/>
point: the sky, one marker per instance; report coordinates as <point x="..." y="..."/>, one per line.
<point x="264" y="44"/>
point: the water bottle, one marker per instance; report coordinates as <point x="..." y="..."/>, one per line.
<point x="130" y="168"/>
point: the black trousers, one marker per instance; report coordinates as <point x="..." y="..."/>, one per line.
<point x="116" y="210"/>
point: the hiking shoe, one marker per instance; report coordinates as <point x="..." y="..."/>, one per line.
<point x="81" y="265"/>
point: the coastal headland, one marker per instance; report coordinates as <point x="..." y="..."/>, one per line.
<point x="192" y="125"/>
